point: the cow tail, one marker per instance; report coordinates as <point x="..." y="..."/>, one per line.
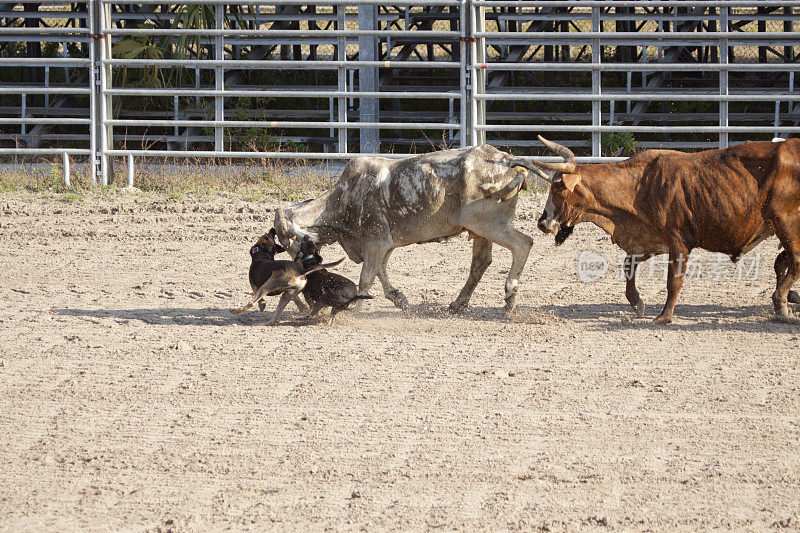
<point x="509" y="190"/>
<point x="358" y="297"/>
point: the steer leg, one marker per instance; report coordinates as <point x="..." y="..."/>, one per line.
<point x="520" y="246"/>
<point x="481" y="259"/>
<point x="678" y="257"/>
<point x="788" y="231"/>
<point x="781" y="266"/>
<point x="629" y="266"/>
<point x="394" y="295"/>
<point x="368" y="272"/>
<point x="374" y="257"/>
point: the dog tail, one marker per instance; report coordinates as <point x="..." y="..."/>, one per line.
<point x="324" y="265"/>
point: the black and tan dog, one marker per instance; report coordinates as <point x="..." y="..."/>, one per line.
<point x="323" y="288"/>
<point x="269" y="277"/>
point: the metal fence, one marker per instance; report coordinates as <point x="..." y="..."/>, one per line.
<point x="113" y="79"/>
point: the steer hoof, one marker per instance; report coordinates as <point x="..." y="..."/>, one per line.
<point x="511" y="303"/>
<point x="398" y="299"/>
<point x="663" y="319"/>
<point x="638" y="308"/>
<point x="793" y="297"/>
<point x="262" y="305"/>
<point x="781" y="309"/>
<point x="456" y="307"/>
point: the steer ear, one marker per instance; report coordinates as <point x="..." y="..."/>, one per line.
<point x="570" y="181"/>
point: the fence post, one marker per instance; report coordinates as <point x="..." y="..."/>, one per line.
<point x="477" y="78"/>
<point x="23" y="115"/>
<point x="130" y="171"/>
<point x="479" y="83"/>
<point x="102" y="107"/>
<point x="723" y="76"/>
<point x="65" y="165"/>
<point x="341" y="73"/>
<point x="597" y="52"/>
<point x="463" y="73"/>
<point x="368" y="79"/>
<point x="219" y="79"/>
<point x="94" y="163"/>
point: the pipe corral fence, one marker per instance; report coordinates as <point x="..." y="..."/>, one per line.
<point x="100" y="80"/>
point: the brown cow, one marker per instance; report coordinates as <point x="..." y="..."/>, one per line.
<point x="664" y="201"/>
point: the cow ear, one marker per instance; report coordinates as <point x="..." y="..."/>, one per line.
<point x="571" y="181"/>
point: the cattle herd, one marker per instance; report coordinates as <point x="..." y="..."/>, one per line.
<point x="658" y="201"/>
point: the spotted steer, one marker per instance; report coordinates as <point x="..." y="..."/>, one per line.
<point x="380" y="204"/>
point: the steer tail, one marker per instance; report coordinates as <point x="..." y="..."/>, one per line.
<point x="324" y="265"/>
<point x="510" y="189"/>
<point x="358" y="297"/>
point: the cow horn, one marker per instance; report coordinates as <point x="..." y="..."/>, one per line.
<point x="541" y="173"/>
<point x="563" y="151"/>
<point x="568" y="167"/>
<point x="281" y="227"/>
<point x="564" y="168"/>
<point x="519" y="162"/>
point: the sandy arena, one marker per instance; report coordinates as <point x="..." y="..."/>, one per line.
<point x="131" y="399"/>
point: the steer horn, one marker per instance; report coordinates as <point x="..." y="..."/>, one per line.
<point x="568" y="167"/>
<point x="281" y="227"/>
<point x="518" y="161"/>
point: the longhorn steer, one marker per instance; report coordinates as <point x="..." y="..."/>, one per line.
<point x="380" y="204"/>
<point x="663" y="201"/>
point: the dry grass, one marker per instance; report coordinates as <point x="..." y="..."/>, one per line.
<point x="253" y="180"/>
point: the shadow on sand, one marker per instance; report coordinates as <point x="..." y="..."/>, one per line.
<point x="606" y="316"/>
<point x="688" y="317"/>
<point x="185" y="316"/>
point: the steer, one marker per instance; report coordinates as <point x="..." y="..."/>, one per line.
<point x="664" y="201"/>
<point x="379" y="204"/>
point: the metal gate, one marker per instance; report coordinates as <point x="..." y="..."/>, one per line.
<point x="348" y="77"/>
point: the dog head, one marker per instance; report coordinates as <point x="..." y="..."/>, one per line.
<point x="266" y="247"/>
<point x="308" y="254"/>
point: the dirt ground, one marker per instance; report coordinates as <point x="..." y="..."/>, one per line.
<point x="131" y="399"/>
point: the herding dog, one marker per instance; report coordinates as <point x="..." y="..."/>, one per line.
<point x="269" y="277"/>
<point x="324" y="289"/>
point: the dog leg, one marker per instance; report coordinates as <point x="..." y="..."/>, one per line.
<point x="334" y="311"/>
<point x="274" y="284"/>
<point x="286" y="297"/>
<point x="301" y="306"/>
<point x="313" y="311"/>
